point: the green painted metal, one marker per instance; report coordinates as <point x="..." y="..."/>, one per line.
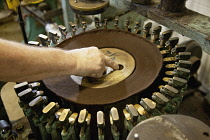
<point x="70" y="133"/>
<point x="33" y="28"/>
<point x="1" y="4"/>
<point x="53" y="5"/>
<point x="190" y="24"/>
<point x="54" y="130"/>
<point x="68" y="15"/>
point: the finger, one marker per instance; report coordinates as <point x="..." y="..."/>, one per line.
<point x="110" y="63"/>
<point x="96" y="75"/>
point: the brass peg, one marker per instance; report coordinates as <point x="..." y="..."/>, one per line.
<point x="82" y="117"/>
<point x="114" y="121"/>
<point x="49" y="112"/>
<point x="100" y="119"/>
<point x="159" y="98"/>
<point x="148" y="104"/>
<point x="53" y="36"/>
<point x="33" y="43"/>
<point x="63" y="31"/>
<point x="88" y="119"/>
<point x="182" y="73"/>
<point x="71" y="133"/>
<point x="146" y="29"/>
<point x="58" y="113"/>
<point x="133" y="112"/>
<point x="177" y="82"/>
<point x="25" y="95"/>
<point x="64" y="115"/>
<point x="116" y="23"/>
<point x="137" y="29"/>
<point x="105" y="23"/>
<point x="64" y="119"/>
<point x="169" y="73"/>
<point x="170" y="66"/>
<point x="184" y="64"/>
<point x="166" y="79"/>
<point x="44" y="40"/>
<point x="84" y="26"/>
<point x="156" y="33"/>
<point x="72" y="118"/>
<point x="169" y="59"/>
<point x="114" y="115"/>
<point x="34" y="85"/>
<point x="73" y="29"/>
<point x="164" y="53"/>
<point x="160" y="86"/>
<point x="51" y="108"/>
<point x="169" y="90"/>
<point x="127" y="23"/>
<point x="36" y="106"/>
<point x="141" y="110"/>
<point x="37" y="103"/>
<point x="84" y="121"/>
<point x="183" y="56"/>
<point x="97" y="23"/>
<point x="20" y="87"/>
<point x="163" y="103"/>
<point x="164" y="37"/>
<point x="127" y="115"/>
<point x="100" y="125"/>
<point x="170" y="44"/>
<point x="179" y="48"/>
<point x="37" y="93"/>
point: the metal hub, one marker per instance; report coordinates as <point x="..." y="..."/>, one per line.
<point x="126" y="63"/>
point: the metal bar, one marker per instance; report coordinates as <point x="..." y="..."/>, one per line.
<point x="37" y="14"/>
<point x="192" y="24"/>
<point x="22" y="25"/>
<point x="52" y="13"/>
<point x="68" y="15"/>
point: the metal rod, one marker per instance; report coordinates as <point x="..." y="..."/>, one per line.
<point x="22" y="25"/>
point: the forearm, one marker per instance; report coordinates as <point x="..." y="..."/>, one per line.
<point x="19" y="62"/>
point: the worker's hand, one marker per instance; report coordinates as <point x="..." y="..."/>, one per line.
<point x="91" y="62"/>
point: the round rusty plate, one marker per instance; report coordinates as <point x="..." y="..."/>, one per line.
<point x="126" y="63"/>
<point x="170" y="127"/>
<point x="148" y="63"/>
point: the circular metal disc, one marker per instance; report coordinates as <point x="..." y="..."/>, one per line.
<point x="88" y="7"/>
<point x="126" y="63"/>
<point x="170" y="127"/>
<point x="148" y="62"/>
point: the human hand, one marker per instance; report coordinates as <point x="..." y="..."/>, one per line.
<point x="91" y="62"/>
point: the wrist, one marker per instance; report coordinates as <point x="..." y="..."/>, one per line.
<point x="70" y="62"/>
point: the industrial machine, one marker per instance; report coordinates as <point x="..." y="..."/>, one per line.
<point x="127" y="103"/>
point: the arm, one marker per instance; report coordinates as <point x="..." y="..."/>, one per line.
<point x="19" y="62"/>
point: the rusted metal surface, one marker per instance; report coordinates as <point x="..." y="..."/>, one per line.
<point x="171" y="127"/>
<point x="192" y="24"/>
<point x="173" y="6"/>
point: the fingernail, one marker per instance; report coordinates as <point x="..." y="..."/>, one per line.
<point x="117" y="66"/>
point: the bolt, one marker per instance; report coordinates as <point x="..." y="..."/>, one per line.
<point x="136" y="136"/>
